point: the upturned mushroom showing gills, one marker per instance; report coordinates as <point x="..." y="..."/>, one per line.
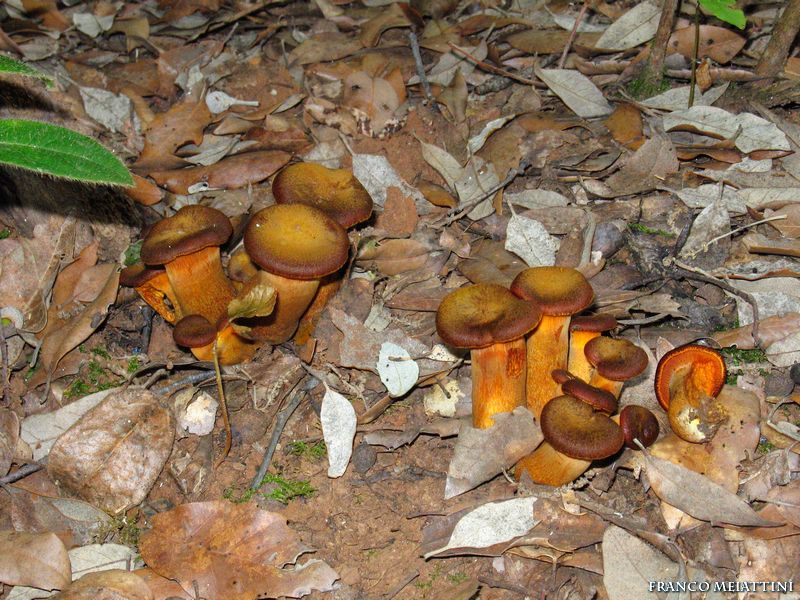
<point x="615" y="361"/>
<point x="492" y="322"/>
<point x="688" y="381"/>
<point x="336" y="192"/>
<point x="295" y="245"/>
<point x="560" y="292"/>
<point x="583" y="329"/>
<point x="187" y="244"/>
<point x="197" y="334"/>
<point x="152" y="284"/>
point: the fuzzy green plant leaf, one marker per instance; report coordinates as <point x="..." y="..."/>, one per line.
<point x="725" y="10"/>
<point x="59" y="152"/>
<point x="9" y="65"/>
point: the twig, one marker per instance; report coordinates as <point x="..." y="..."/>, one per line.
<point x="400" y="586"/>
<point x="423" y="79"/>
<point x="4" y="352"/>
<point x="705" y="246"/>
<point x="504" y="585"/>
<point x="223" y="405"/>
<point x="280" y="423"/>
<point x="690" y="272"/>
<point x="588" y="239"/>
<point x="23" y="472"/>
<point x="573" y="34"/>
<point x="173" y="387"/>
<point x="496" y="70"/>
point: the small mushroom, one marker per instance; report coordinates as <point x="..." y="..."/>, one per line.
<point x="560" y="292"/>
<point x="197" y="334"/>
<point x="336" y="192"/>
<point x="574" y="428"/>
<point x="615" y="361"/>
<point x="583" y="329"/>
<point x="187" y="244"/>
<point x="688" y="381"/>
<point x="492" y="322"/>
<point x="597" y="398"/>
<point x="639" y="423"/>
<point x="152" y="284"/>
<point x="296" y="245"/>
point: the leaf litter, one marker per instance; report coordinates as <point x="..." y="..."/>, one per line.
<point x="491" y="151"/>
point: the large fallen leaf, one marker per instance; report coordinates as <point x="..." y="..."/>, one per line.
<point x="635" y="27"/>
<point x="77" y="328"/>
<point x="392" y="257"/>
<point x="484" y="527"/>
<point x="480" y="454"/>
<point x="750" y="132"/>
<point x="232" y="551"/>
<point x="576" y="91"/>
<point x="654" y="161"/>
<point x="338" y="419"/>
<point x="629" y="565"/>
<point x="33" y="559"/>
<point x="698" y="496"/>
<point x="113" y="454"/>
<point x="720" y="44"/>
<point x="181" y="124"/>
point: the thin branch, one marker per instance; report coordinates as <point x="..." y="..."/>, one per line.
<point x="573" y="34"/>
<point x="423" y="79"/>
<point x="496" y="70"/>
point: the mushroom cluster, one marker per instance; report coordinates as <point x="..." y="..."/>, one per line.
<point x="296" y="247"/>
<point x="572" y="375"/>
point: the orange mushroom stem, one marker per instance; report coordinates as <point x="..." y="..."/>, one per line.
<point x="688" y="381"/>
<point x="548" y="466"/>
<point x="492" y="322"/>
<point x="153" y="285"/>
<point x="560" y="292"/>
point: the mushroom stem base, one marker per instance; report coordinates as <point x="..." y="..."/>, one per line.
<point x="548" y="466"/>
<point x="498" y="380"/>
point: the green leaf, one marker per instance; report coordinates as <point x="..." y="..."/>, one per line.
<point x="60" y="152"/>
<point x="725" y="10"/>
<point x="9" y="65"/>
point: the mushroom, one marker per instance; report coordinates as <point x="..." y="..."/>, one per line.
<point x="560" y="292"/>
<point x="492" y="322"/>
<point x="688" y="381"/>
<point x="187" y="244"/>
<point x="296" y="245"/>
<point x="583" y="329"/>
<point x="599" y="399"/>
<point x="197" y="334"/>
<point x="152" y="284"/>
<point x="615" y="361"/>
<point x="638" y="423"/>
<point x="576" y="429"/>
<point x="336" y="192"/>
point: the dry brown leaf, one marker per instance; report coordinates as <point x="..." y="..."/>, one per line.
<point x="757" y="243"/>
<point x="144" y="191"/>
<point x="113" y="454"/>
<point x="548" y="41"/>
<point x="698" y="496"/>
<point x="717" y="43"/>
<point x="481" y="454"/>
<point x="162" y="588"/>
<point x="626" y="125"/>
<point x="181" y="124"/>
<point x="34" y="559"/>
<point x="228" y="174"/>
<point x="399" y="217"/>
<point x="111" y="584"/>
<point x="653" y="162"/>
<point x="392" y="257"/>
<point x="770" y="330"/>
<point x="232" y="551"/>
<point x="9" y="436"/>
<point x="388" y="18"/>
<point x="29" y="267"/>
<point x="59" y="341"/>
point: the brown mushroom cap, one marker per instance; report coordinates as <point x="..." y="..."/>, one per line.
<point x="559" y="291"/>
<point x="476" y="316"/>
<point x="574" y="428"/>
<point x="593" y="323"/>
<point x="639" y="423"/>
<point x="194" y="331"/>
<point x="336" y="192"/>
<point x="138" y="274"/>
<point x="601" y="400"/>
<point x="190" y="229"/>
<point x="616" y="359"/>
<point x="296" y="241"/>
<point x="708" y="370"/>
<point x="561" y="376"/>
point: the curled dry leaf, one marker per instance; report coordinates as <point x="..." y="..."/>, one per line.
<point x="182" y="124"/>
<point x="699" y="496"/>
<point x="9" y="436"/>
<point x="113" y="454"/>
<point x="113" y="583"/>
<point x="34" y="559"/>
<point x="231" y="551"/>
<point x="480" y="454"/>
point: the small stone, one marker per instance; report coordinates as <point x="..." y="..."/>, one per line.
<point x="364" y="457"/>
<point x="778" y="383"/>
